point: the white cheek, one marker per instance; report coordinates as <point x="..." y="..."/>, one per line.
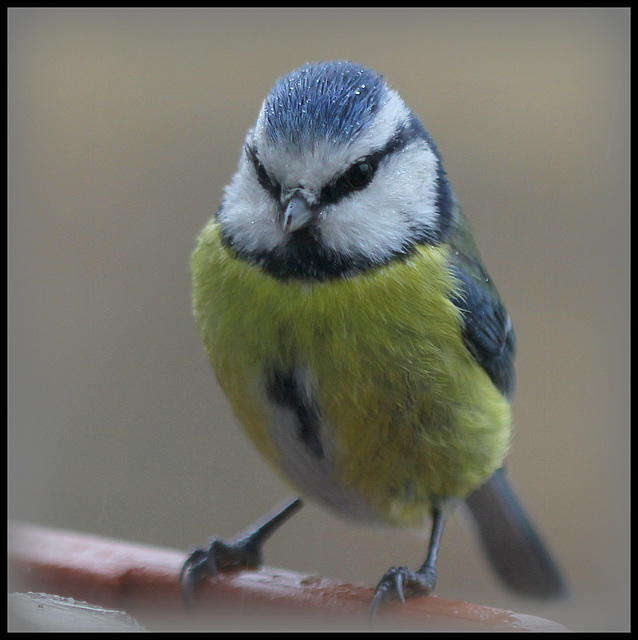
<point x="378" y="220"/>
<point x="249" y="214"/>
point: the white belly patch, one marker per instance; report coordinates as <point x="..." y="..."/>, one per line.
<point x="305" y="443"/>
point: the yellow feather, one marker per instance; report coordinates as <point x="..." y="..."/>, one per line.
<point x="413" y="416"/>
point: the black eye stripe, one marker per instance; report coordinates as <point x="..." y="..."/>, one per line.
<point x="344" y="185"/>
<point x="273" y="187"/>
<point x="349" y="181"/>
<point x="358" y="176"/>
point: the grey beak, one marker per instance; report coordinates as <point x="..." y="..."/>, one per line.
<point x="296" y="215"/>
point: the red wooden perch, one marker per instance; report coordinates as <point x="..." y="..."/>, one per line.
<point x="143" y="581"/>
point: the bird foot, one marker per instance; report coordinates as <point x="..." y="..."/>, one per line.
<point x="399" y="583"/>
<point x="242" y="553"/>
<point x="220" y="556"/>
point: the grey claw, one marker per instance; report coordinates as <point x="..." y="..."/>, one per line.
<point x="399" y="587"/>
<point x="376" y="601"/>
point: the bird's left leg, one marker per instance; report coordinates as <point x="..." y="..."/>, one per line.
<point x="399" y="583"/>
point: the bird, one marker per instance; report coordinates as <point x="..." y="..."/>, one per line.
<point x="361" y="343"/>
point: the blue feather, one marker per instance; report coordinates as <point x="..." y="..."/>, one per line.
<point x="325" y="101"/>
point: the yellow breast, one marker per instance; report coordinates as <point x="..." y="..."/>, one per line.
<point x="360" y="391"/>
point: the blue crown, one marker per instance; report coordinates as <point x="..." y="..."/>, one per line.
<point x="322" y="101"/>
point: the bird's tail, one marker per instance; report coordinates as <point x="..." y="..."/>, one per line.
<point x="514" y="548"/>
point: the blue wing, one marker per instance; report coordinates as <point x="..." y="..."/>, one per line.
<point x="487" y="329"/>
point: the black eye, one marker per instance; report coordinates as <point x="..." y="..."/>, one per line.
<point x="359" y="175"/>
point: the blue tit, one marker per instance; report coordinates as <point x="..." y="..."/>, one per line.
<point x="360" y="341"/>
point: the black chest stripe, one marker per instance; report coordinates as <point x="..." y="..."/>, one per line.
<point x="284" y="389"/>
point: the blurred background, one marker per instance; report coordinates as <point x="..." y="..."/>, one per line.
<point x="124" y="127"/>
